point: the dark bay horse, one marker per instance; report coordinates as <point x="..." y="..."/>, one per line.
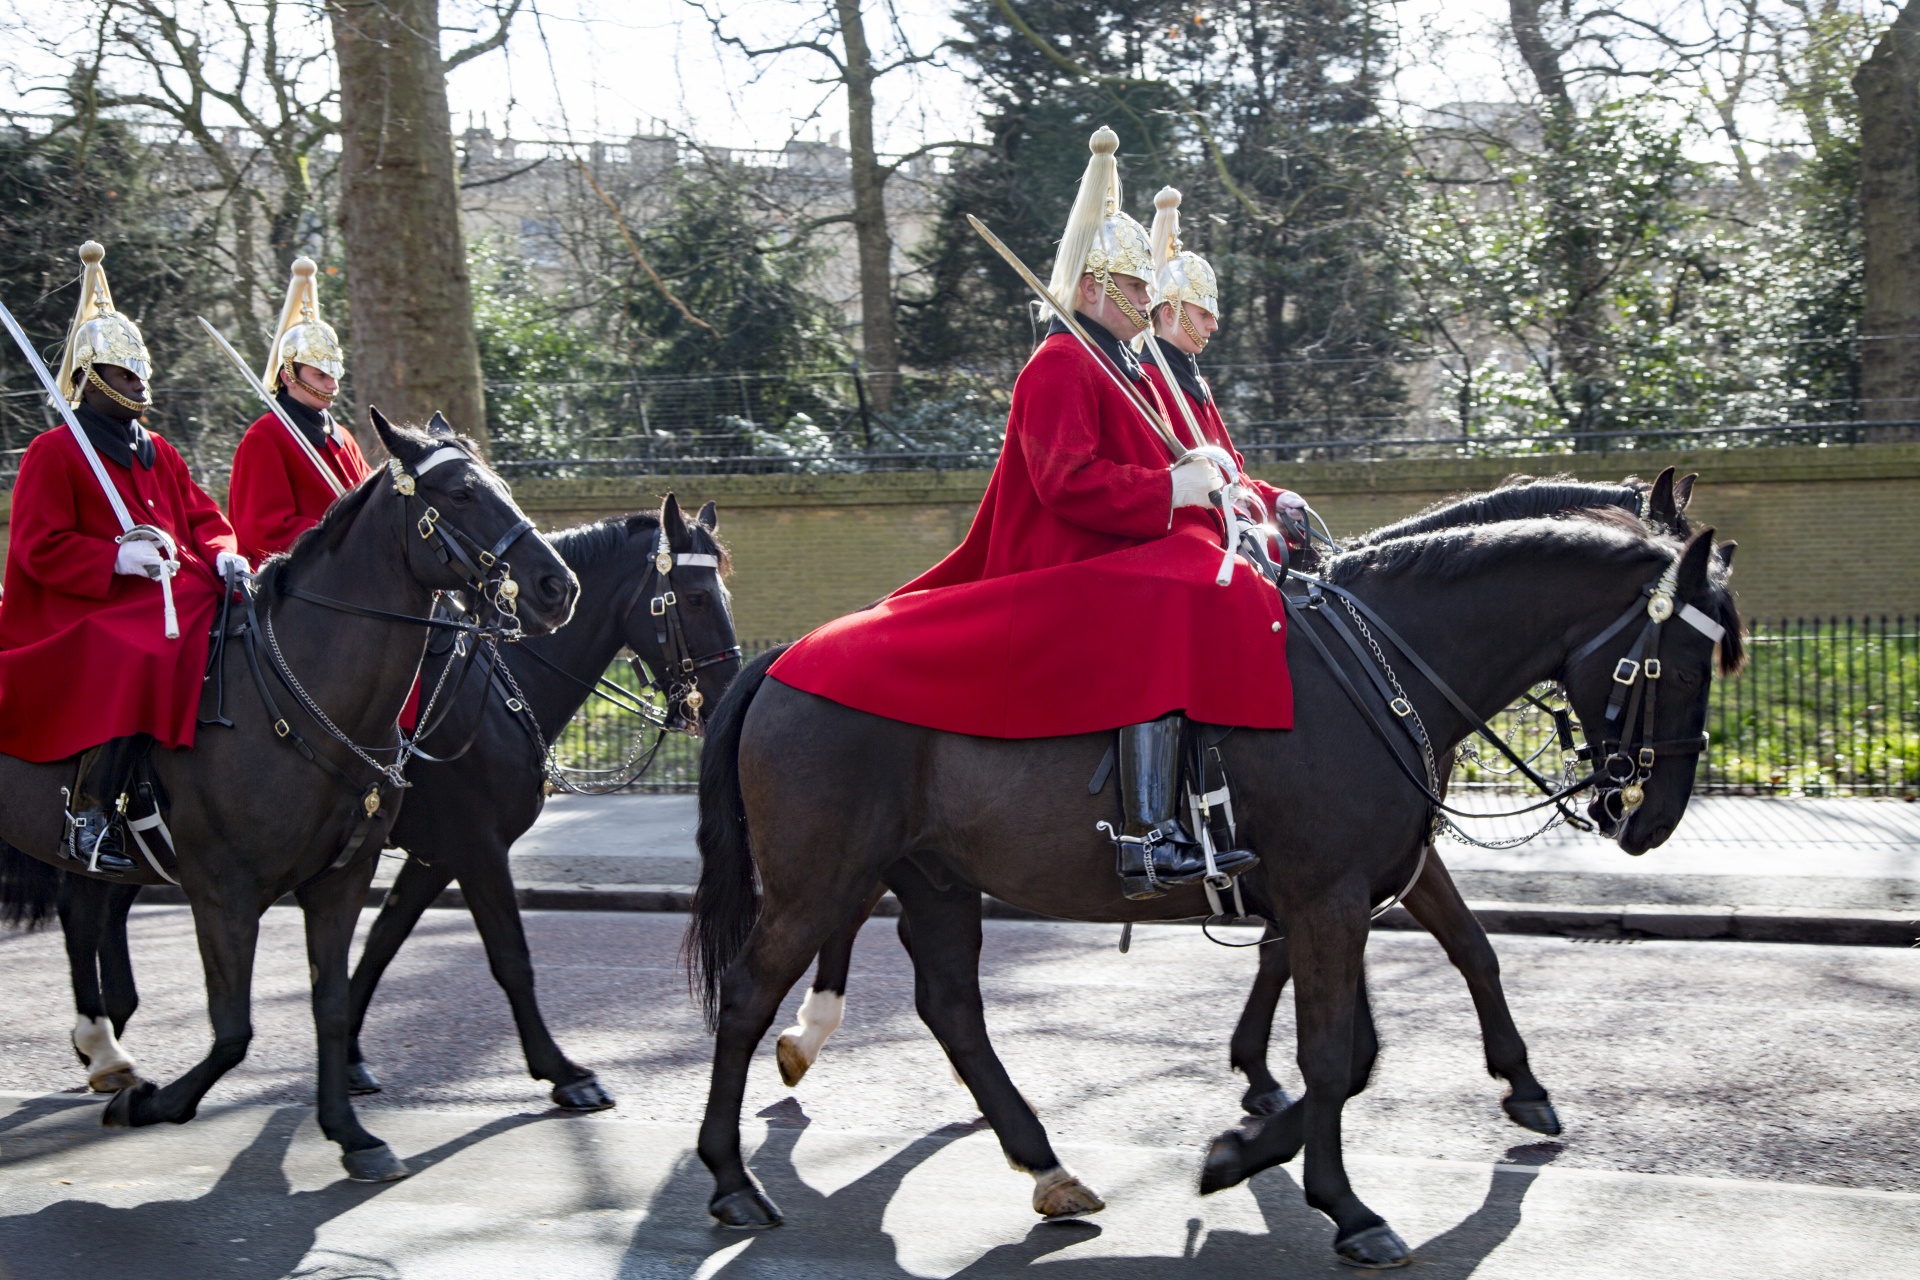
<point x="808" y="807"/>
<point x="1433" y="901"/>
<point x="463" y="815"/>
<point x="254" y="819"/>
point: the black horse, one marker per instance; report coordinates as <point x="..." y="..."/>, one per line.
<point x="464" y="813"/>
<point x="1433" y="900"/>
<point x="839" y="802"/>
<point x="340" y="638"/>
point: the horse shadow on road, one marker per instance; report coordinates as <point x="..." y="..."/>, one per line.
<point x="841" y="1235"/>
<point x="249" y="1225"/>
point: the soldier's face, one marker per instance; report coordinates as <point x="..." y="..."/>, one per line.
<point x="1166" y="323"/>
<point x="313" y="377"/>
<point x="1094" y="302"/>
<point x="126" y="382"/>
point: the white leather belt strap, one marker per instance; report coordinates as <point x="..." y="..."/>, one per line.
<point x="696" y="560"/>
<point x="1702" y="623"/>
<point x="437" y="457"/>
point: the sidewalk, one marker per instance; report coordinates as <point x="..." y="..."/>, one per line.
<point x="1777" y="869"/>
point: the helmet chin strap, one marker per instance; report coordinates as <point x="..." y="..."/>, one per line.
<point x="324" y="397"/>
<point x="137" y="406"/>
<point x="1188" y="327"/>
<point x="1122" y="302"/>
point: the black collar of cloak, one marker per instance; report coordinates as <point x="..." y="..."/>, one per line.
<point x="314" y="424"/>
<point x="114" y="439"/>
<point x="1115" y="350"/>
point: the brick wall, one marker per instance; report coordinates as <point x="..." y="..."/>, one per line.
<point x="1821" y="530"/>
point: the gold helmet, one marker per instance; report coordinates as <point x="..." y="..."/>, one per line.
<point x="1180" y="276"/>
<point x="100" y="335"/>
<point x="302" y="337"/>
<point x="1101" y="238"/>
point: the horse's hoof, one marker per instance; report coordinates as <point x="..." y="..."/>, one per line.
<point x="793" y="1062"/>
<point x="1264" y="1102"/>
<point x="1376" y="1248"/>
<point x="374" y="1164"/>
<point x="122" y="1108"/>
<point x="360" y="1081"/>
<point x="1538" y="1116"/>
<point x="1225" y="1165"/>
<point x="1058" y="1196"/>
<point x="114" y="1081"/>
<point x="581" y="1095"/>
<point x="747" y="1209"/>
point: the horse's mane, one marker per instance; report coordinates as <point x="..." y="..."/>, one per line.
<point x="1518" y="497"/>
<point x="1608" y="534"/>
<point x="586" y="545"/>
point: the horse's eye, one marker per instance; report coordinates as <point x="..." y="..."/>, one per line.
<point x="696" y="599"/>
<point x="461" y="496"/>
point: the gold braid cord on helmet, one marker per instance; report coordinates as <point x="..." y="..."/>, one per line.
<point x="100" y="335"/>
<point x="1180" y="276"/>
<point x="1101" y="239"/>
<point x="302" y="337"/>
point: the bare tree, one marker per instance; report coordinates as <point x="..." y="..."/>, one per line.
<point x="412" y="302"/>
<point x="1888" y="87"/>
<point x="836" y="32"/>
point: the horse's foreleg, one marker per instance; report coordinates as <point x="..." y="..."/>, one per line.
<point x="487" y="884"/>
<point x="413" y="891"/>
<point x="228" y="933"/>
<point x="93" y="918"/>
<point x="331" y="906"/>
<point x="941" y="931"/>
<point x="799" y="1045"/>
<point x="1328" y="942"/>
<point x="1253" y="1034"/>
<point x="1435" y="902"/>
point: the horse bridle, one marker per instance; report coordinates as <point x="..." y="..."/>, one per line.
<point x="476" y="564"/>
<point x="676" y="683"/>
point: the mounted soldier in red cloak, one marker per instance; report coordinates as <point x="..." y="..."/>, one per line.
<point x="114" y="565"/>
<point x="1084" y="598"/>
<point x="291" y="465"/>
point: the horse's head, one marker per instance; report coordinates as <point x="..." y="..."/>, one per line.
<point x="466" y="533"/>
<point x="1641" y="693"/>
<point x="680" y="621"/>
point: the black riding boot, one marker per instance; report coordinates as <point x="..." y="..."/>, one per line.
<point x="1155" y="850"/>
<point x="99" y="834"/>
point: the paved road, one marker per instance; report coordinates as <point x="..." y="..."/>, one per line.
<point x="1732" y="1110"/>
<point x="1782" y="851"/>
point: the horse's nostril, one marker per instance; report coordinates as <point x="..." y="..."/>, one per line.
<point x="555" y="589"/>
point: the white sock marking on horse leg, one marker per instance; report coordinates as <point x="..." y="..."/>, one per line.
<point x="820" y="1015"/>
<point x="94" y="1038"/>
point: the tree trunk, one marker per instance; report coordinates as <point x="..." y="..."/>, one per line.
<point x="879" y="339"/>
<point x="1888" y="86"/>
<point x="412" y="347"/>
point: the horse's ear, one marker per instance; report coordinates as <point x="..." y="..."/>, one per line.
<point x="1693" y="564"/>
<point x="1724" y="554"/>
<point x="672" y="523"/>
<point x="1661" y="512"/>
<point x="389" y="436"/>
<point x="438" y="425"/>
<point x="709" y="517"/>
<point x="1683" y="491"/>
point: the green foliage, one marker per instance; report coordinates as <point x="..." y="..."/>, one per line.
<point x="531" y="356"/>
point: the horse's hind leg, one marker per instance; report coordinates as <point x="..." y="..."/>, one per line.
<point x="1254" y="1032"/>
<point x="941" y="930"/>
<point x="228" y="934"/>
<point x="487" y="885"/>
<point x="93" y="918"/>
<point x="331" y="906"/>
<point x="1435" y="902"/>
<point x="413" y="891"/>
<point x="798" y="1047"/>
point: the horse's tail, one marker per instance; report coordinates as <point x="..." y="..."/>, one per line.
<point x="29" y="889"/>
<point x="726" y="902"/>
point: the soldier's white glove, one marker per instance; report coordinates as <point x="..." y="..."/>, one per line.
<point x="1292" y="503"/>
<point x="138" y="559"/>
<point x="1194" y="481"/>
<point x="227" y="562"/>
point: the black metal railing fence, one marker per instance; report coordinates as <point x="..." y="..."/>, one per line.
<point x="1825" y="707"/>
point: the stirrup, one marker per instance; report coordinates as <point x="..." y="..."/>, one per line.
<point x="86" y="838"/>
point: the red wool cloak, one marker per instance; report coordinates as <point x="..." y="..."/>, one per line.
<point x="1080" y="600"/>
<point x="275" y="494"/>
<point x="83" y="651"/>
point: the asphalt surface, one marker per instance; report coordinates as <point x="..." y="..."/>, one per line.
<point x="1731" y="1109"/>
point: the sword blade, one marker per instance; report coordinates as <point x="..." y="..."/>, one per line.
<point x="1161" y="429"/>
<point x="273" y="407"/>
<point x="66" y="411"/>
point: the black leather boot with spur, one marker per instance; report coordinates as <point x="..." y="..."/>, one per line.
<point x="1154" y="849"/>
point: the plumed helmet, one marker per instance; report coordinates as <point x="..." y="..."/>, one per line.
<point x="302" y="337"/>
<point x="1179" y="275"/>
<point x="99" y="334"/>
<point x="1101" y="237"/>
